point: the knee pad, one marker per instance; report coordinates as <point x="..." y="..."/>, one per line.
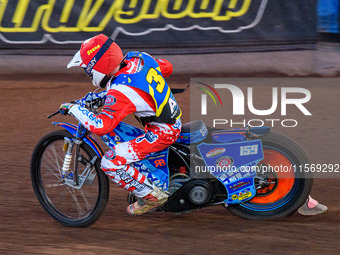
<point x="107" y="164"/>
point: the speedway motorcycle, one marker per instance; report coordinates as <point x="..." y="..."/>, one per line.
<point x="252" y="172"/>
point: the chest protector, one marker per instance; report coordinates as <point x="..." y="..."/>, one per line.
<point x="150" y="80"/>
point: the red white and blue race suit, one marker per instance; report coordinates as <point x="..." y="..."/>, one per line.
<point x="139" y="89"/>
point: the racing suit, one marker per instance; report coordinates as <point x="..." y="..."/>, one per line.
<point x="122" y="99"/>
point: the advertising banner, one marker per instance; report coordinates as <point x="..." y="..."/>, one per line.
<point x="168" y="25"/>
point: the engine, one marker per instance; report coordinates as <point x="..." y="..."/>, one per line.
<point x="192" y="195"/>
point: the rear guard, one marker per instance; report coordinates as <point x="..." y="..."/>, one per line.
<point x="238" y="134"/>
<point x="234" y="165"/>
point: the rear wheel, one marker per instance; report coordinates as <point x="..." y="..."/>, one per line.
<point x="282" y="184"/>
<point x="70" y="206"/>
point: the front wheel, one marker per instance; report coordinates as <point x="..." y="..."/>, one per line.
<point x="284" y="187"/>
<point x="70" y="206"/>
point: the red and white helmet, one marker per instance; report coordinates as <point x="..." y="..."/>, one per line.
<point x="98" y="56"/>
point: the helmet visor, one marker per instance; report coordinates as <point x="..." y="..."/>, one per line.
<point x="76" y="61"/>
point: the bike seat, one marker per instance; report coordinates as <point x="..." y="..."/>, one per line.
<point x="193" y="132"/>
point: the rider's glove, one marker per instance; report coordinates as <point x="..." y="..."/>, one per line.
<point x="90" y="97"/>
<point x="64" y="108"/>
<point x="82" y="101"/>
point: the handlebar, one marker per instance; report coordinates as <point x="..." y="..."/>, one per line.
<point x="53" y="114"/>
<point x="92" y="105"/>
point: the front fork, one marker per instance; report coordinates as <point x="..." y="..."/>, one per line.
<point x="76" y="179"/>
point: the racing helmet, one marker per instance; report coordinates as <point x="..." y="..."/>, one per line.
<point x="98" y="56"/>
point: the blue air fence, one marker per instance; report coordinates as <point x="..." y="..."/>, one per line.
<point x="328" y="16"/>
<point x="164" y="26"/>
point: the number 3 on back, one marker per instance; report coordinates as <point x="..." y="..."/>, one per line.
<point x="153" y="75"/>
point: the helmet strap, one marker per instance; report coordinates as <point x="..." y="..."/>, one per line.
<point x="104" y="81"/>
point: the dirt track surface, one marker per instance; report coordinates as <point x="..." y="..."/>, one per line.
<point x="26" y="229"/>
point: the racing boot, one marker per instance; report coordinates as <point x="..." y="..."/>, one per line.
<point x="149" y="203"/>
<point x="312" y="207"/>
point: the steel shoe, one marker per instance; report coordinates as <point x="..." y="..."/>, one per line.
<point x="149" y="203"/>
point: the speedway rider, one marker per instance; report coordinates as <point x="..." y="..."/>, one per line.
<point x="134" y="85"/>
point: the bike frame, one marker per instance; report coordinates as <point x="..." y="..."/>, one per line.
<point x="235" y="151"/>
